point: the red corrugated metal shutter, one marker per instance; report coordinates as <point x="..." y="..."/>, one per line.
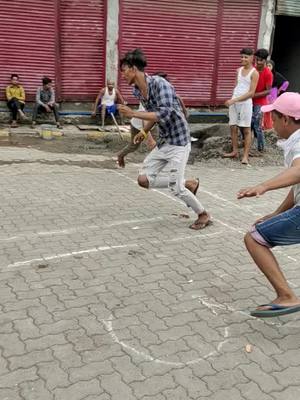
<point x="82" y="48"/>
<point x="239" y="28"/>
<point x="27" y="42"/>
<point x="177" y="37"/>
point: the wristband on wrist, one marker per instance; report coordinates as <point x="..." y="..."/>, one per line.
<point x="145" y="134"/>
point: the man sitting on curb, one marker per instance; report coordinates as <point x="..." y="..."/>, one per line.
<point x="45" y="101"/>
<point x="108" y="98"/>
<point x="281" y="227"/>
<point x="15" y="96"/>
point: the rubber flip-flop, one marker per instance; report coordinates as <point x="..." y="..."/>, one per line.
<point x="197" y="187"/>
<point x="200" y="225"/>
<point x="275" y="310"/>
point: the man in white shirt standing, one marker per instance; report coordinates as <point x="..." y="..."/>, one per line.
<point x="280" y="227"/>
<point x="240" y="105"/>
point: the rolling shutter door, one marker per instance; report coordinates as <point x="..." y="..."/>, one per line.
<point x="82" y="48"/>
<point x="83" y="32"/>
<point x="178" y="37"/>
<point x="288" y="7"/>
<point x="239" y="28"/>
<point x="27" y="43"/>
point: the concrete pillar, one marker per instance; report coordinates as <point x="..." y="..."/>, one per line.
<point x="266" y="27"/>
<point x="112" y="37"/>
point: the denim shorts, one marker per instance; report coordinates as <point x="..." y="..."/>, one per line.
<point x="281" y="230"/>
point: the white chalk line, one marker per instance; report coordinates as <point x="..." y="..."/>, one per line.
<point x="70" y="254"/>
<point x="108" y="323"/>
<point x="215" y="307"/>
<point x="104" y="248"/>
<point x="79" y="229"/>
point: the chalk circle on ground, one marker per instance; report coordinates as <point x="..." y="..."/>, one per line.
<point x="213" y="349"/>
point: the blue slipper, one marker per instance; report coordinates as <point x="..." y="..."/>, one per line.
<point x="275" y="310"/>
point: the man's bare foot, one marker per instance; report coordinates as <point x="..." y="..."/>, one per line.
<point x="121" y="161"/>
<point x="192" y="185"/>
<point x="233" y="154"/>
<point x="245" y="161"/>
<point x="202" y="222"/>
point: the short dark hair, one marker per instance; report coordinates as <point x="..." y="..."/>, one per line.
<point x="46" y="80"/>
<point x="14" y="76"/>
<point x="262" y="53"/>
<point x="135" y="58"/>
<point x="247" y="51"/>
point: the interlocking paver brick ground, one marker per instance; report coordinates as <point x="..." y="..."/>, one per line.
<point x="106" y="294"/>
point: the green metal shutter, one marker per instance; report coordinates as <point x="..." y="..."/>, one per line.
<point x="288" y="7"/>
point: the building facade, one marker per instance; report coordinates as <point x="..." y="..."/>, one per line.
<point x="78" y="43"/>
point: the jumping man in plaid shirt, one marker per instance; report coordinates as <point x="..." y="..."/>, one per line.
<point x="173" y="145"/>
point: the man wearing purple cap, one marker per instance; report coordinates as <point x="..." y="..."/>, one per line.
<point x="281" y="227"/>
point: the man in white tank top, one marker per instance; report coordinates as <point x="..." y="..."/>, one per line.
<point x="109" y="96"/>
<point x="240" y="105"/>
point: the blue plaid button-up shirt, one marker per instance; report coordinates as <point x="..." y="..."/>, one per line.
<point x="162" y="99"/>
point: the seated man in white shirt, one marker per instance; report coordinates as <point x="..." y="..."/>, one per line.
<point x="110" y="97"/>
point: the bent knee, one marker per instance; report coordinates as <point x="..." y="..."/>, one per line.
<point x="143" y="181"/>
<point x="248" y="238"/>
<point x="178" y="190"/>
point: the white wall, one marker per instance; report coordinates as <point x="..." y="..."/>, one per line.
<point x="112" y="37"/>
<point x="266" y="27"/>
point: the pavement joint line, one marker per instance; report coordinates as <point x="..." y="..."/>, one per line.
<point x="108" y="323"/>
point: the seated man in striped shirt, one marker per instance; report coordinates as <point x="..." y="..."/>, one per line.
<point x="45" y="101"/>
